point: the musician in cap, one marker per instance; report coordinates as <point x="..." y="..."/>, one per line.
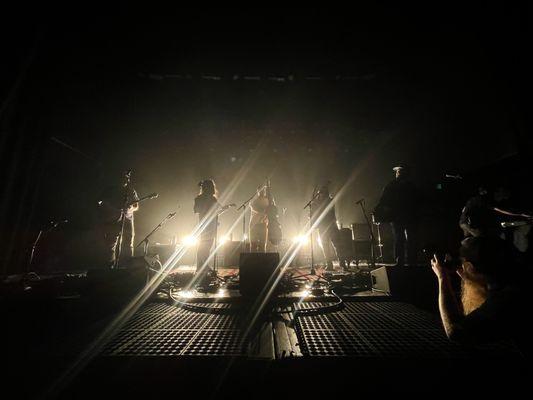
<point x="399" y="205"/>
<point x="492" y="304"/>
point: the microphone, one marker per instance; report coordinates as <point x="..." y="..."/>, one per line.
<point x="55" y="224"/>
<point x="453" y="176"/>
<point x="360" y="201"/>
<point x="63" y="221"/>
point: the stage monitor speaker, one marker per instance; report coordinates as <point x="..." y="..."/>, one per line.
<point x="126" y="280"/>
<point x="256" y="271"/>
<point x="230" y="253"/>
<point x="344" y="244"/>
<point x="360" y="232"/>
<point x="414" y="285"/>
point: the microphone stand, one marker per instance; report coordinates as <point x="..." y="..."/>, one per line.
<point x="244" y="206"/>
<point x="38" y="238"/>
<point x="308" y="205"/>
<point x="380" y="245"/>
<point x="372" y="238"/>
<point x="146" y="240"/>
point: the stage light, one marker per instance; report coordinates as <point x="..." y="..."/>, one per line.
<point x="305" y="293"/>
<point x="301" y="239"/>
<point x="186" y="294"/>
<point x="224" y="239"/>
<point x="190" y="241"/>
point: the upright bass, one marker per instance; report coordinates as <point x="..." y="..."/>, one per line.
<point x="274" y="227"/>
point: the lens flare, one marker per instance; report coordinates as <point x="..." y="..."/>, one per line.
<point x="190" y="241"/>
<point x="301" y="239"/>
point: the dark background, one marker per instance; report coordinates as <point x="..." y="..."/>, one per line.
<point x="89" y="93"/>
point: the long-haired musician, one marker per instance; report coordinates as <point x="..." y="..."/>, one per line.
<point x="206" y="205"/>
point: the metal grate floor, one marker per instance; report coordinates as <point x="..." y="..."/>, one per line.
<point x="379" y="330"/>
<point x="361" y="329"/>
<point x="164" y="330"/>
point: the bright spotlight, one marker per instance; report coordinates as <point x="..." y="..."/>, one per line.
<point x="186" y="294"/>
<point x="190" y="241"/>
<point x="301" y="239"/>
<point x="224" y="239"/>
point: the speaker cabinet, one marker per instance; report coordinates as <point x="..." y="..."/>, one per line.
<point x="230" y="254"/>
<point x="415" y="285"/>
<point x="127" y="280"/>
<point x="256" y="272"/>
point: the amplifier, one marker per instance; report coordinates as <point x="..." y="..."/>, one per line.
<point x="257" y="271"/>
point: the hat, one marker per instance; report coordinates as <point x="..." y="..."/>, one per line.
<point x="400" y="167"/>
<point x="489" y="255"/>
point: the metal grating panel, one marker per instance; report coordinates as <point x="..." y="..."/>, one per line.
<point x="155" y="308"/>
<point x="158" y="343"/>
<point x="395" y="307"/>
<point x="378" y="329"/>
<point x="185" y="320"/>
<point x="325" y="322"/>
<point x="401" y="343"/>
<point x="371" y="322"/>
<point x="359" y="307"/>
<point x="146" y="320"/>
<point x="223" y="322"/>
<point x="215" y="343"/>
<point x="361" y="329"/>
<point x="163" y="330"/>
<point x="332" y="343"/>
<point x="416" y="321"/>
<point x="311" y="305"/>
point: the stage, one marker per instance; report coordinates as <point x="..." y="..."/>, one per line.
<point x="209" y="344"/>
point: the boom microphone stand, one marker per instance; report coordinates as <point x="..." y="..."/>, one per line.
<point x="244" y="206"/>
<point x="147" y="238"/>
<point x="380" y="244"/>
<point x="127" y="182"/>
<point x="42" y="232"/>
<point x="308" y="205"/>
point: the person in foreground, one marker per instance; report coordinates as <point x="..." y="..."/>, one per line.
<point x="491" y="307"/>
